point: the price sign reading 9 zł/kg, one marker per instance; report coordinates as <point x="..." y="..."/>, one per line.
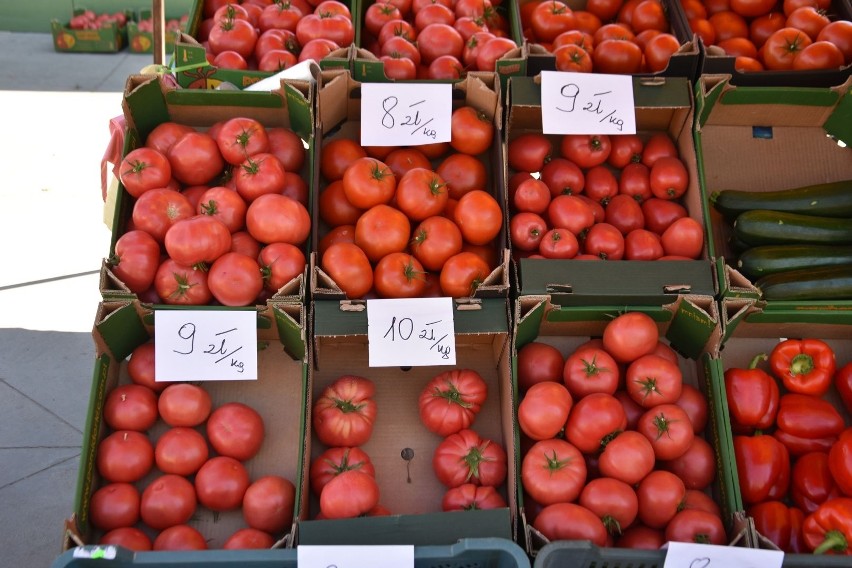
<point x="398" y="114"/>
<point x="411" y="333"/>
<point x="587" y="103"/>
<point x="205" y="345"/>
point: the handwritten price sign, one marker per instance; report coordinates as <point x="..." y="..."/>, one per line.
<point x="407" y="114"/>
<point x="411" y="333"/>
<point x="205" y="345"/>
<point x="587" y="103"/>
<point x="354" y="556"/>
<point x="687" y="555"/>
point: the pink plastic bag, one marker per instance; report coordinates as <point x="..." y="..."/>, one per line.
<point x="113" y="151"/>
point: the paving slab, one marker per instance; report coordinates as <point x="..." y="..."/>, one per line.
<point x="26" y="424"/>
<point x="21" y="463"/>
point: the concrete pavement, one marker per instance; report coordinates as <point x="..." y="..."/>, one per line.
<point x="54" y="111"/>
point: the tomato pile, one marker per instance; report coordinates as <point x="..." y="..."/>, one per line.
<point x="425" y="39"/>
<point x="792" y="446"/>
<point x="171" y="24"/>
<point x="161" y="482"/>
<point x="272" y="36"/>
<point x="400" y="227"/>
<point x="227" y="206"/>
<point x="600" y="197"/>
<point x="89" y="20"/>
<point x="612" y="447"/>
<point x="608" y="36"/>
<point x="773" y="34"/>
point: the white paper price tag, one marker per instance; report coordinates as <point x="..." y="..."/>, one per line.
<point x="405" y="114"/>
<point x="587" y="103"/>
<point x="411" y="333"/>
<point x="686" y="555"/>
<point x="205" y="345"/>
<point x="362" y="556"/>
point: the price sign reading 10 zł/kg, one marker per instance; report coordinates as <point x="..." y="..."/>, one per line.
<point x="405" y="114"/>
<point x="587" y="103"/>
<point x="411" y="332"/>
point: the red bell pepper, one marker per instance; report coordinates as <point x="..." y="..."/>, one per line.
<point x="843" y="383"/>
<point x="805" y="366"/>
<point x="753" y="397"/>
<point x="763" y="468"/>
<point x="807" y="423"/>
<point x="829" y="528"/>
<point x="812" y="483"/>
<point x="799" y="446"/>
<point x="840" y="462"/>
<point x="779" y="523"/>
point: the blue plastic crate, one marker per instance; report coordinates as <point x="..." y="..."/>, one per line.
<point x="467" y="553"/>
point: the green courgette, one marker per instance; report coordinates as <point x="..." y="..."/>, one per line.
<point x="770" y="259"/>
<point x="832" y="199"/>
<point x="763" y="227"/>
<point x="822" y="283"/>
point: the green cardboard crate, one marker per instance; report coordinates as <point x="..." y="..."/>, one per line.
<point x="110" y="38"/>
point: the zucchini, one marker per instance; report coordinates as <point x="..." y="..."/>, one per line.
<point x="821" y="283"/>
<point x="832" y="199"/>
<point x="770" y="259"/>
<point x="762" y="227"/>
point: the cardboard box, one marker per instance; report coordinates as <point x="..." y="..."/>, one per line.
<point x="339" y="115"/>
<point x="716" y="62"/>
<point x="662" y="104"/>
<point x="150" y="101"/>
<point x="690" y="325"/>
<point x="482" y="344"/>
<point x="140" y="41"/>
<point x="279" y="395"/>
<point x="686" y="62"/>
<point x="766" y="139"/>
<point x="751" y="330"/>
<point x="110" y="38"/>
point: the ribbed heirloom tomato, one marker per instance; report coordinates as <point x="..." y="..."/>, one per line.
<point x="465" y="457"/>
<point x="451" y="400"/>
<point x="344" y="412"/>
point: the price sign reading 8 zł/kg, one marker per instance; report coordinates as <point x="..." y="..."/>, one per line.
<point x="411" y="332"/>
<point x="400" y="114"/>
<point x="205" y="345"/>
<point x="587" y="103"/>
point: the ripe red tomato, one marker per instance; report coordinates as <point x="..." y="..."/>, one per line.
<point x="544" y="409"/>
<point x="783" y="46"/>
<point x="553" y="471"/>
<point x="593" y="419"/>
<point x="125" y="456"/>
<point x="337" y="155"/>
<point x="451" y="400"/>
<point x="368" y="182"/>
<point x="462" y="173"/>
<point x="235" y="430"/>
<point x="472" y="497"/>
<point x="641" y="537"/>
<point x="640" y="244"/>
<point x="569" y="521"/>
<point x="334" y="208"/>
<point x="659" y="50"/>
<point x="684" y="237"/>
<point x="819" y="55"/>
<point x="184" y="404"/>
<point x="620" y="56"/>
<point x="668" y="428"/>
<point x="559" y="243"/>
<point x="335" y="461"/>
<point x="344" y="412"/>
<point x="198" y="239"/>
<point x="695" y="525"/>
<point x="628" y="457"/>
<point x="382" y="230"/>
<point x="259" y="174"/>
<point x="550" y="18"/>
<point x="625" y="149"/>
<point x="140" y="367"/>
<point x="434" y="241"/>
<point x="471" y="131"/>
<point x="465" y="457"/>
<point x="538" y="362"/>
<point x="526" y="231"/>
<point x="653" y="380"/>
<point x="130" y="538"/>
<point x="158" y="209"/>
<point x="248" y="538"/>
<point x="529" y="152"/>
<point x="589" y="370"/>
<point x="277" y="218"/>
<point x="240" y="138"/>
<point x="462" y="274"/>
<point x="660" y="495"/>
<point x="531" y="195"/>
<point x="605" y="241"/>
<point x="167" y="501"/>
<point x="624" y="213"/>
<point x="563" y="176"/>
<point x="221" y="483"/>
<point x="660" y="213"/>
<point x="570" y="212"/>
<point x="235" y="279"/>
<point x="669" y="178"/>
<point x="839" y="33"/>
<point x="223" y="204"/>
<point x="130" y="407"/>
<point x="143" y="169"/>
<point x="629" y="336"/>
<point x="181" y="451"/>
<point x="180" y="537"/>
<point x="114" y="505"/>
<point x="349" y="494"/>
<point x="696" y="467"/>
<point x="601" y="184"/>
<point x="195" y="158"/>
<point x="659" y="145"/>
<point x="349" y="267"/>
<point x="612" y="500"/>
<point x="437" y="39"/>
<point x="399" y="275"/>
<point x="280" y="263"/>
<point x="165" y="134"/>
<point x="421" y="193"/>
<point x="586" y="150"/>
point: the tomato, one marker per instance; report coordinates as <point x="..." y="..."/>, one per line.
<point x="563" y="176"/>
<point x="624" y="213"/>
<point x="335" y="461"/>
<point x="590" y="370"/>
<point x="553" y="471"/>
<point x="259" y="174"/>
<point x="783" y="46"/>
<point x="641" y="537"/>
<point x="317" y="49"/>
<point x="659" y="50"/>
<point x="337" y="28"/>
<point x="235" y="279"/>
<point x="628" y="457"/>
<point x="807" y="19"/>
<point x="181" y="451"/>
<point x="625" y="149"/>
<point x="399" y="275"/>
<point x="669" y="178"/>
<point x="693" y="402"/>
<point x="819" y="55"/>
<point x="640" y="244"/>
<point x="421" y="193"/>
<point x="462" y="173"/>
<point x="235" y="430"/>
<point x="130" y="538"/>
<point x="334" y="208"/>
<point x="604" y="240"/>
<point x="660" y="495"/>
<point x="434" y="241"/>
<point x="492" y="51"/>
<point x="694" y="525"/>
<point x="465" y="457"/>
<point x="529" y="152"/>
<point x="632" y="410"/>
<point x="337" y="155"/>
<point x="195" y="158"/>
<point x="472" y="497"/>
<point x="559" y="243"/>
<point x="586" y="150"/>
<point x="619" y="56"/>
<point x="240" y="138"/>
<point x="573" y="58"/>
<point x="140" y="367"/>
<point x="544" y="410"/>
<point x="143" y="169"/>
<point x="462" y="274"/>
<point x="839" y="33"/>
<point x="349" y="267"/>
<point x="221" y="483"/>
<point x="550" y="18"/>
<point x="167" y="501"/>
<point x="437" y="39"/>
<point x="451" y="401"/>
<point x="344" y="412"/>
<point x="630" y="336"/>
<point x="277" y="218"/>
<point x="531" y="195"/>
<point x="659" y="145"/>
<point x="248" y="538"/>
<point x="668" y="428"/>
<point x="569" y="521"/>
<point x="479" y="217"/>
<point x="593" y="419"/>
<point x="399" y="68"/>
<point x="180" y="537"/>
<point x="368" y="182"/>
<point x="184" y="404"/>
<point x="165" y="134"/>
<point x="538" y="362"/>
<point x="660" y="213"/>
<point x="471" y="131"/>
<point x="349" y="494"/>
<point x="223" y="204"/>
<point x="196" y="240"/>
<point x="613" y="501"/>
<point x="653" y="380"/>
<point x="571" y="213"/>
<point x="130" y="407"/>
<point x="601" y="184"/>
<point x="157" y="210"/>
<point x="527" y="231"/>
<point x="114" y="505"/>
<point x="125" y="456"/>
<point x="382" y="230"/>
<point x="396" y="27"/>
<point x="280" y="264"/>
